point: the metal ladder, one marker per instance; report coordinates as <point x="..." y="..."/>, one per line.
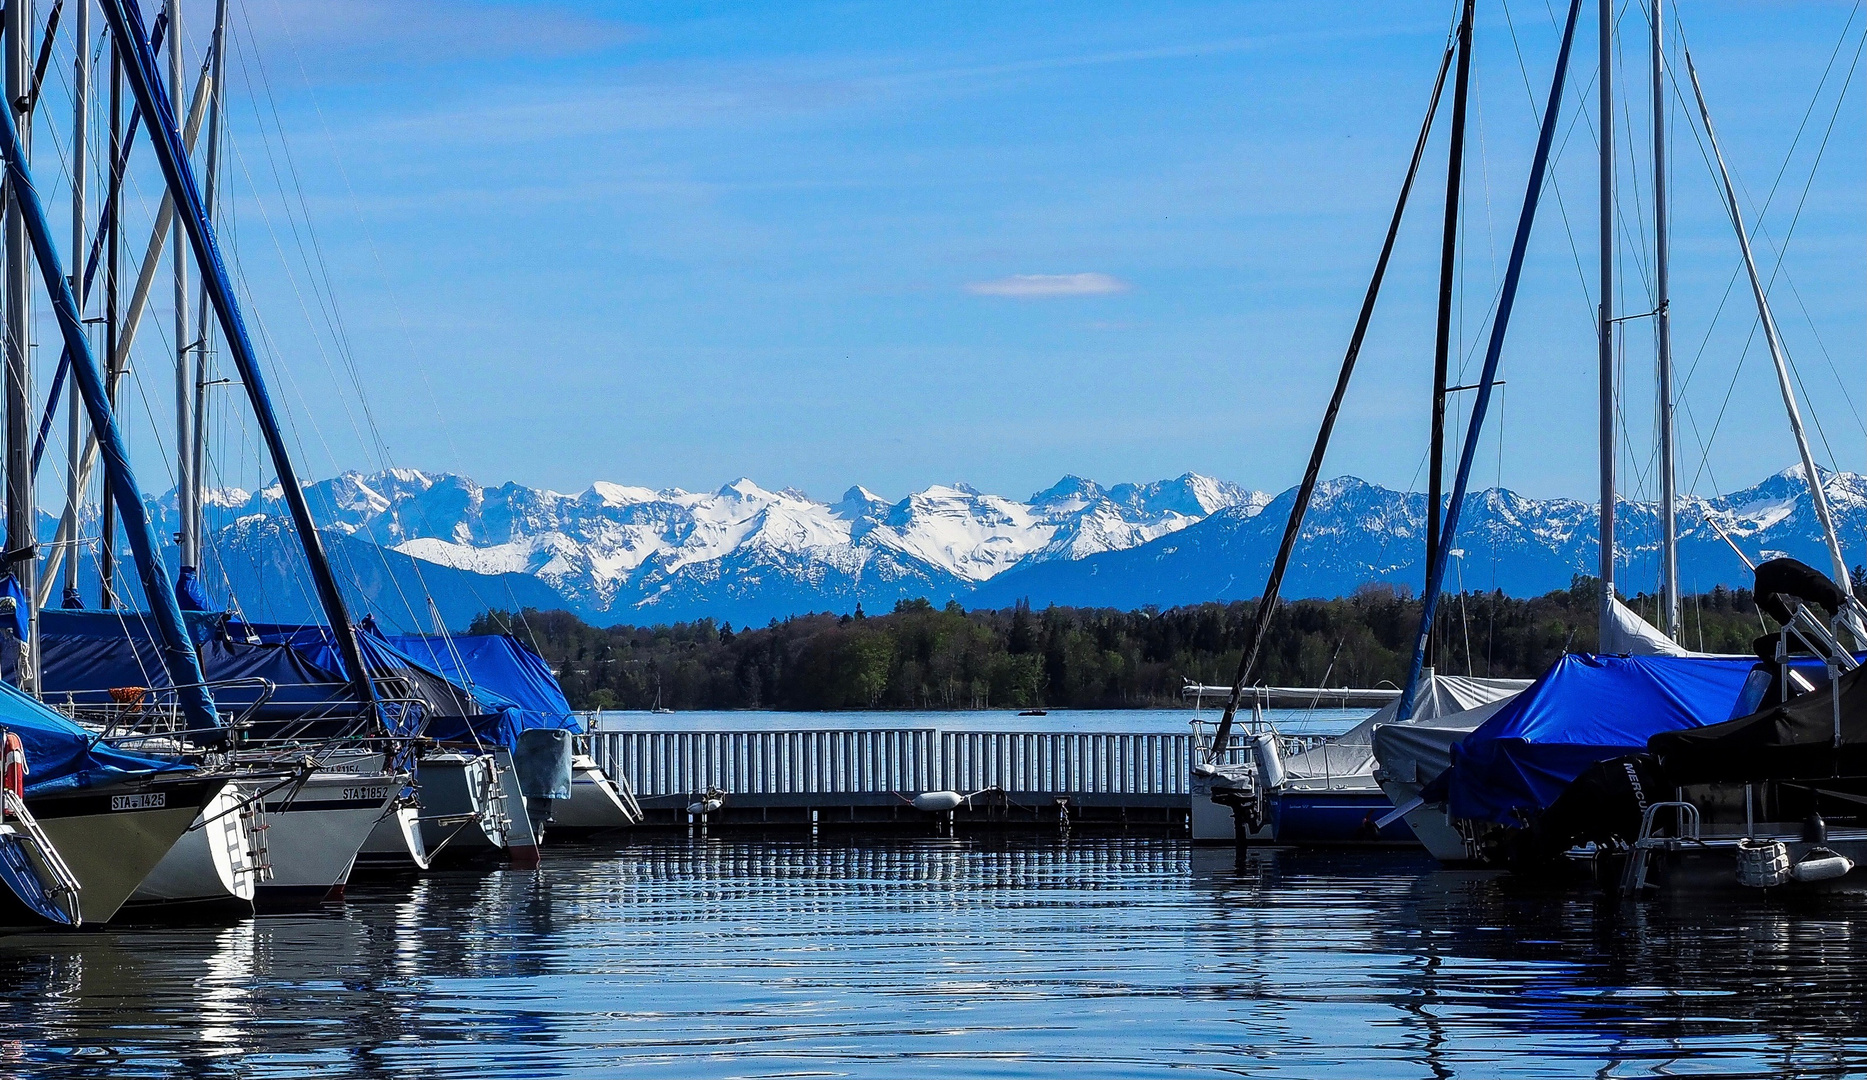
<point x="1634" y="874"/>
<point x="65" y="885"/>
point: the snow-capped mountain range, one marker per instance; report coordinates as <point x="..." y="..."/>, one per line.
<point x="617" y="554"/>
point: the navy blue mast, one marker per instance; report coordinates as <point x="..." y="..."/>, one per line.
<point x="1539" y="166"/>
<point x="126" y="23"/>
<point x="179" y="657"/>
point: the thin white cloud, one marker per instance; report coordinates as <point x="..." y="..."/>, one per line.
<point x="1048" y="286"/>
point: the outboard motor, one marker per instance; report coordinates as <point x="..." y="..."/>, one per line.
<point x="1604" y="805"/>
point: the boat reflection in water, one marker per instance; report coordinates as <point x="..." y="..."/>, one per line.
<point x="1114" y="957"/>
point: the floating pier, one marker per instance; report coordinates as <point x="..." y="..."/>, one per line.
<point x="867" y="779"/>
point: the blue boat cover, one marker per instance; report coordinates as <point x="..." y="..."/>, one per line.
<point x="502" y="664"/>
<point x="453" y="712"/>
<point x="60" y="755"/>
<point x="1583" y="710"/>
<point x="87" y="654"/>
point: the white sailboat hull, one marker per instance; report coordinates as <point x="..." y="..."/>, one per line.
<point x="113" y="836"/>
<point x="316" y="827"/>
<point x="463" y="808"/>
<point x="216" y="863"/>
<point x="396" y="842"/>
<point x="596" y="802"/>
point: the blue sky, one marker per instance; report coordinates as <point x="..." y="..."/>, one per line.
<point x="670" y="245"/>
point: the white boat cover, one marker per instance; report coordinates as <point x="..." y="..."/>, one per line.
<point x="1627" y="634"/>
<point x="1347" y="761"/>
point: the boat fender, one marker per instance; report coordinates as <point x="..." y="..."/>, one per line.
<point x="1269" y="758"/>
<point x="1821" y="864"/>
<point x="13" y="755"/>
<point x="1762" y="864"/>
<point x="938" y="802"/>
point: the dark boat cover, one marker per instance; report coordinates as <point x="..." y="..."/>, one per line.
<point x="87" y="654"/>
<point x="1583" y="710"/>
<point x="1792" y="741"/>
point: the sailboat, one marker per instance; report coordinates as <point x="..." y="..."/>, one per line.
<point x="1327" y="794"/>
<point x="1582" y="763"/>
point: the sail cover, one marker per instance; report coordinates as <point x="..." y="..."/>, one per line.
<point x="1587" y="708"/>
<point x="1351" y="754"/>
<point x="1627" y="634"/>
<point x="1420" y="753"/>
<point x="1805" y="738"/>
<point x="502" y="664"/>
<point x="448" y="709"/>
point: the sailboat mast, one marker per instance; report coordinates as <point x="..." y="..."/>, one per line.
<point x="20" y="534"/>
<point x="1663" y="342"/>
<point x="125" y="19"/>
<point x="180" y="661"/>
<point x="184" y="375"/>
<point x="217" y="105"/>
<point x="1494" y="351"/>
<point x="1771" y="339"/>
<point x="80" y="141"/>
<point x="1448" y="266"/>
<point x="1605" y="330"/>
<point x="113" y="268"/>
<point x="1273" y="583"/>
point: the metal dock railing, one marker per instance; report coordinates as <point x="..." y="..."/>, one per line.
<point x="830" y="776"/>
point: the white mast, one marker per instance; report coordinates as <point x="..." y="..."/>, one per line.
<point x="80" y="137"/>
<point x="184" y="375"/>
<point x="1663" y="344"/>
<point x="1770" y="338"/>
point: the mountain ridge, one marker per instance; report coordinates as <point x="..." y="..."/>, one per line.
<point x="615" y="553"/>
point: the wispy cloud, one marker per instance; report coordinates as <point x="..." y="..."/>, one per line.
<point x="362" y="37"/>
<point x="1048" y="286"/>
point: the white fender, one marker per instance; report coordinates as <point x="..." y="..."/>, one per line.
<point x="938" y="802"/>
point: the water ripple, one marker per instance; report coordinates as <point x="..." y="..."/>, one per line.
<point x="955" y="958"/>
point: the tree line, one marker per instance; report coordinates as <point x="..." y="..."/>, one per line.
<point x="922" y="657"/>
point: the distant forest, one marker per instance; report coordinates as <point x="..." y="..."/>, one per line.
<point x="922" y="657"/>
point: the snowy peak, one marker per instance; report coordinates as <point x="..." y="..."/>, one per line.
<point x="613" y="547"/>
<point x="619" y="553"/>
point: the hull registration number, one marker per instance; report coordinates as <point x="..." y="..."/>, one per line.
<point x="153" y="801"/>
<point x="352" y="794"/>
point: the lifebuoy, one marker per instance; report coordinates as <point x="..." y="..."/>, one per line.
<point x="13" y="758"/>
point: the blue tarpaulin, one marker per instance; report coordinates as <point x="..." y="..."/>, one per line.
<point x="452" y="712"/>
<point x="86" y="654"/>
<point x="190" y="593"/>
<point x="16" y="619"/>
<point x="60" y="755"/>
<point x="501" y="664"/>
<point x="1583" y="710"/>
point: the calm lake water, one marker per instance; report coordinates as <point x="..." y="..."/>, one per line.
<point x="1175" y="721"/>
<point x="953" y="958"/>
